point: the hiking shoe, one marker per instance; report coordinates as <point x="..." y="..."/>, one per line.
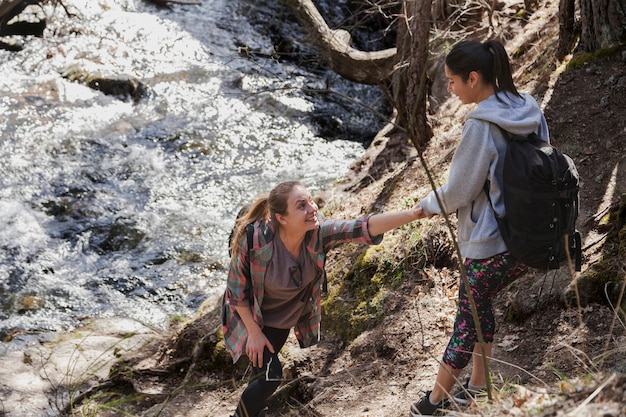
<point x="425" y="408"/>
<point x="465" y="395"/>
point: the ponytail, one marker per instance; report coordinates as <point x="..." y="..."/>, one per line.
<point x="259" y="210"/>
<point x="489" y="59"/>
<point x="502" y="79"/>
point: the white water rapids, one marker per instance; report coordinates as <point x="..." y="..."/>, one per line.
<point x="115" y="209"/>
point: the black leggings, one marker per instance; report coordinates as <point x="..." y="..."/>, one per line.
<point x="264" y="381"/>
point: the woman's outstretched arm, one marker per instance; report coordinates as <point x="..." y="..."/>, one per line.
<point x="383" y="222"/>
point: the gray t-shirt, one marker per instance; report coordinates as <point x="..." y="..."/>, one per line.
<point x="287" y="284"/>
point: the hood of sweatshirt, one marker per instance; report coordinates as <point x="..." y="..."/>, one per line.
<point x="517" y="115"/>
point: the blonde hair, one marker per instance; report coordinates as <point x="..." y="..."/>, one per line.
<point x="265" y="207"/>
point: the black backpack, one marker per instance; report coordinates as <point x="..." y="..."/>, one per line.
<point x="540" y="191"/>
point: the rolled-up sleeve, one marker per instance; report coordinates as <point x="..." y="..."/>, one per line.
<point x="335" y="232"/>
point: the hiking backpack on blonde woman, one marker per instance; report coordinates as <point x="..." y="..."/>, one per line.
<point x="540" y="191"/>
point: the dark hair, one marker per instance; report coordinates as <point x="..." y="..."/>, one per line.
<point x="489" y="59"/>
<point x="265" y="207"/>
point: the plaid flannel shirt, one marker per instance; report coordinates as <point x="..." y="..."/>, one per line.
<point x="239" y="291"/>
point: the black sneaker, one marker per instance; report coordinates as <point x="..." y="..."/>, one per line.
<point x="425" y="408"/>
<point x="464" y="395"/>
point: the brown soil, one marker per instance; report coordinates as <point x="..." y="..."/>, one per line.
<point x="548" y="358"/>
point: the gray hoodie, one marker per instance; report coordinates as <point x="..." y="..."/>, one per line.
<point x="478" y="157"/>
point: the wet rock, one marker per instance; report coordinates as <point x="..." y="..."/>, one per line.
<point x="122" y="87"/>
<point x="31" y="303"/>
<point x="10" y="9"/>
<point x="46" y="369"/>
<point x="123" y="235"/>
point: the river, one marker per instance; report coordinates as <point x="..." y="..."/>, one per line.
<point x="110" y="208"/>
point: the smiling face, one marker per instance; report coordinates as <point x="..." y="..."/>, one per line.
<point x="472" y="90"/>
<point x="301" y="215"/>
<point x="459" y="87"/>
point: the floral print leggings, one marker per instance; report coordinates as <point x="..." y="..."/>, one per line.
<point x="486" y="278"/>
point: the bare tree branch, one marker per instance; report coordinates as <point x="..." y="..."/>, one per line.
<point x="335" y="46"/>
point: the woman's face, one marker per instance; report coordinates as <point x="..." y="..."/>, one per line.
<point x="467" y="91"/>
<point x="301" y="211"/>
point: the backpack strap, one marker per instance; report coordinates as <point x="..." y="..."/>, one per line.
<point x="265" y="235"/>
<point x="250" y="237"/>
<point x="486" y="186"/>
<point x="508" y="137"/>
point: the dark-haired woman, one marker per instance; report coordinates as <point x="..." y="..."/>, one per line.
<point x="274" y="284"/>
<point x="478" y="73"/>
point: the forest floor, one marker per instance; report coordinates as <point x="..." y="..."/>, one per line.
<point x="548" y="359"/>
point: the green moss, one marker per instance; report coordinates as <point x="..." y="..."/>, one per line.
<point x="590" y="57"/>
<point x="358" y="301"/>
<point x="124" y="371"/>
<point x="177" y="319"/>
<point x="591" y="287"/>
<point x="521" y="50"/>
<point x="220" y="355"/>
<point x="605" y="278"/>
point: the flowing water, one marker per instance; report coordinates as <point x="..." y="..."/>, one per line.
<point x="113" y="208"/>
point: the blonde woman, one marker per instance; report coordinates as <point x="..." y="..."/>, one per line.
<point x="274" y="284"/>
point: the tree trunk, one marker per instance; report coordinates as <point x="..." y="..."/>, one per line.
<point x="566" y="27"/>
<point x="603" y="23"/>
<point x="403" y="68"/>
<point x="441" y="10"/>
<point x="409" y="81"/>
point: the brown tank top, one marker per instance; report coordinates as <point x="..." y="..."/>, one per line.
<point x="288" y="283"/>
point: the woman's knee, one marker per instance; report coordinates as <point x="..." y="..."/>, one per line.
<point x="456" y="360"/>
